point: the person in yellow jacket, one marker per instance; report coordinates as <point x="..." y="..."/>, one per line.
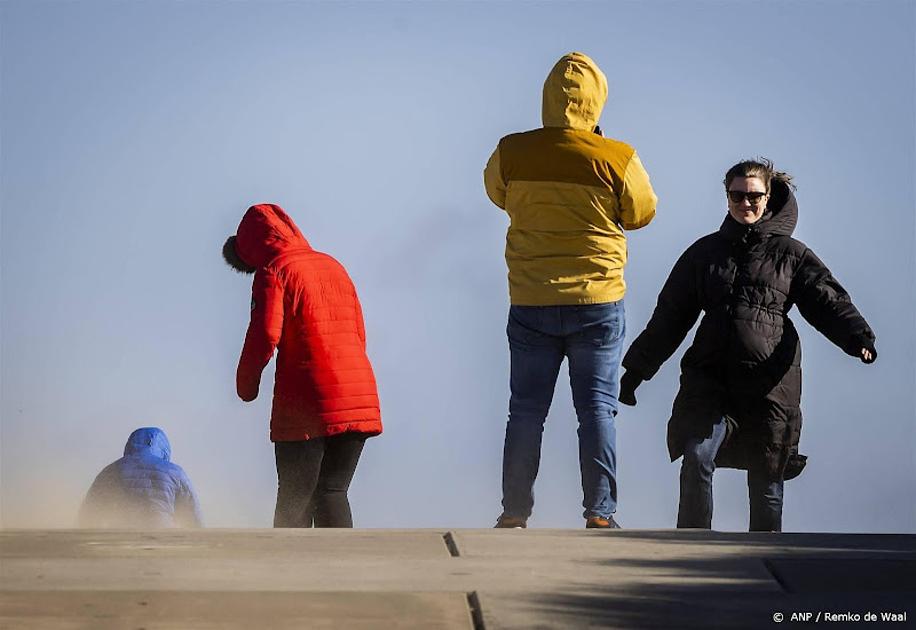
<point x="570" y="195"/>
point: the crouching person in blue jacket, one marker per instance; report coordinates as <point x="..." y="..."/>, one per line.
<point x="143" y="489"/>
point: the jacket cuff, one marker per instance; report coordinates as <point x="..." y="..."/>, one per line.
<point x="635" y="372"/>
<point x="864" y="339"/>
<point x="247" y="391"/>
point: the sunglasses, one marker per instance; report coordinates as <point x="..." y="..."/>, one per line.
<point x="737" y="196"/>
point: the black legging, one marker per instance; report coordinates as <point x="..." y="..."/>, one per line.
<point x="313" y="478"/>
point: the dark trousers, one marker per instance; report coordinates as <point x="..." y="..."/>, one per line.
<point x="313" y="477"/>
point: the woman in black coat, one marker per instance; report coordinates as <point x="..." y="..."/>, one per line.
<point x="739" y="400"/>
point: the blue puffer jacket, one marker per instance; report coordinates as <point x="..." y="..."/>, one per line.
<point x="143" y="489"/>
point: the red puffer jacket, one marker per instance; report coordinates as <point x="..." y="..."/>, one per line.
<point x="304" y="304"/>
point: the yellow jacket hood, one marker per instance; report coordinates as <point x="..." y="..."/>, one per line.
<point x="574" y="93"/>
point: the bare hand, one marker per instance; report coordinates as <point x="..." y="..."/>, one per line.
<point x="867" y="355"/>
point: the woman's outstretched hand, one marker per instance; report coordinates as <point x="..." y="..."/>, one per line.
<point x="868" y="354"/>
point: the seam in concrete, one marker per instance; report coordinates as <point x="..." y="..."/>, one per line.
<point x="476" y="611"/>
<point x="772" y="570"/>
<point x="451" y="544"/>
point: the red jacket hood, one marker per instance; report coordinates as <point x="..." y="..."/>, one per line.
<point x="265" y="232"/>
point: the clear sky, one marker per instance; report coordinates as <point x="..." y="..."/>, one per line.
<point x="133" y="136"/>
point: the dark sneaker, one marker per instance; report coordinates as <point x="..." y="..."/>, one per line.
<point x="598" y="522"/>
<point x="510" y="522"/>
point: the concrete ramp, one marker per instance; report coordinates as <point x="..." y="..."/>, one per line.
<point x="288" y="610"/>
<point x="468" y="579"/>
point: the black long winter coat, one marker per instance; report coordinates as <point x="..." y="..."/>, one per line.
<point x="745" y="361"/>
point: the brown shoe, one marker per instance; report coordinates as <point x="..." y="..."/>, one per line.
<point x="598" y="522"/>
<point x="510" y="522"/>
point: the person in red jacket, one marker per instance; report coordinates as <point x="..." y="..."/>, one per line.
<point x="325" y="401"/>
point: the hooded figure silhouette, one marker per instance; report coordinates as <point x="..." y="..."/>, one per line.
<point x="739" y="403"/>
<point x="570" y="195"/>
<point x="325" y="401"/>
<point x="143" y="489"/>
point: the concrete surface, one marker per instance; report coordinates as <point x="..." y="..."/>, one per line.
<point x="470" y="579"/>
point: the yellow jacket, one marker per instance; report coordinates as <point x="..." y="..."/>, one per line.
<point x="570" y="194"/>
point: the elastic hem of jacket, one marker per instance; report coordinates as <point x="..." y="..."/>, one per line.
<point x="562" y="300"/>
<point x="370" y="428"/>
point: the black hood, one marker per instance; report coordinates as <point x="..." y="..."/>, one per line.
<point x="779" y="219"/>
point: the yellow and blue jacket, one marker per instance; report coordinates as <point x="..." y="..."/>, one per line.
<point x="569" y="194"/>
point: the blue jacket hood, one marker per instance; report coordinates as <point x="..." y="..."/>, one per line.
<point x="151" y="440"/>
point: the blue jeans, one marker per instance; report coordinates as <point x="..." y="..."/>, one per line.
<point x="591" y="337"/>
<point x="695" y="508"/>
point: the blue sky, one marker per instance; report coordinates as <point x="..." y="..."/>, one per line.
<point x="134" y="135"/>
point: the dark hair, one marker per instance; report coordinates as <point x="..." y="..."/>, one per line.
<point x="761" y="168"/>
<point x="232" y="258"/>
